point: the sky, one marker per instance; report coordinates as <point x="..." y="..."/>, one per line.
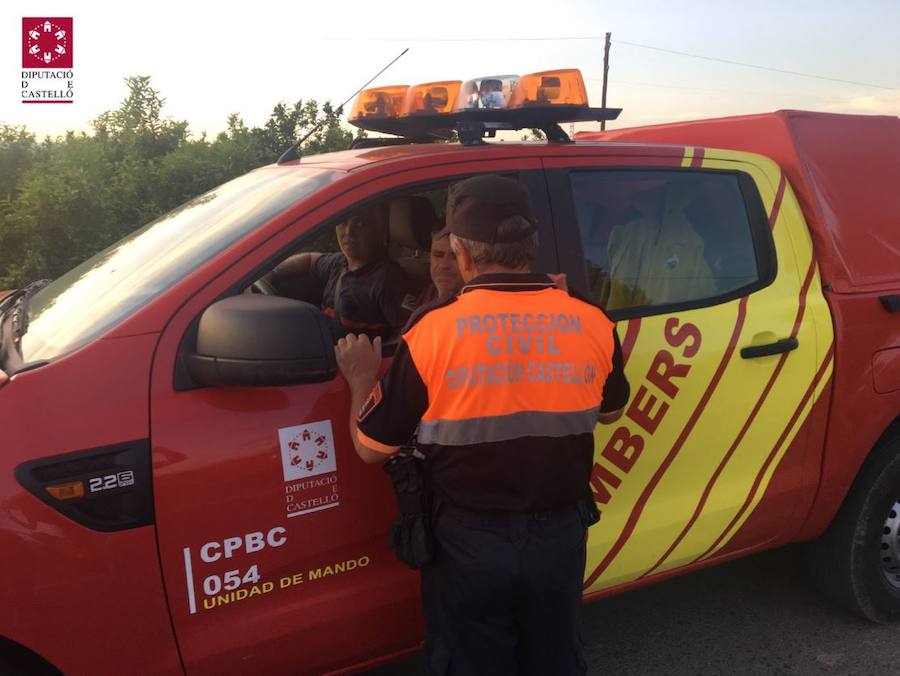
<point x="212" y="59"/>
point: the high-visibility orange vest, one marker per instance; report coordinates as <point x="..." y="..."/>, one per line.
<point x="505" y="383"/>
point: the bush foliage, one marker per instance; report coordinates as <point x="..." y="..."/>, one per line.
<point x="64" y="199"/>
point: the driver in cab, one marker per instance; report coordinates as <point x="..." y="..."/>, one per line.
<point x="360" y="288"/>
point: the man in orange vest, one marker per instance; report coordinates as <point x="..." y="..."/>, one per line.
<point x="502" y="386"/>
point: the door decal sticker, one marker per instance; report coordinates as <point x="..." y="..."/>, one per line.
<point x="309" y="464"/>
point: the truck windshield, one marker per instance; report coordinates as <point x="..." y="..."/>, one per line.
<point x="101" y="292"/>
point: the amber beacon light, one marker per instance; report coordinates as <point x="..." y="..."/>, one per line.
<point x="431" y="98"/>
<point x="477" y="107"/>
<point x="549" y="88"/>
<point x="379" y="102"/>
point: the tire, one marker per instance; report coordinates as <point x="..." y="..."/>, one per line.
<point x="16" y="660"/>
<point x="25" y="666"/>
<point x="857" y="560"/>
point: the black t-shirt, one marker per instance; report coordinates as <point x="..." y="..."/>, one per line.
<point x="371" y="297"/>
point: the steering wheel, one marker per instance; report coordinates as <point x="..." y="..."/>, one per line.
<point x="263" y="287"/>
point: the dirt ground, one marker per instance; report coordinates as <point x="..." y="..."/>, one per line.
<point x="758" y="615"/>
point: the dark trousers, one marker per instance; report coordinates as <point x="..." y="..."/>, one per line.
<point x="503" y="594"/>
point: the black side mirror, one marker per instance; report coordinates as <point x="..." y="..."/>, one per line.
<point x="262" y="340"/>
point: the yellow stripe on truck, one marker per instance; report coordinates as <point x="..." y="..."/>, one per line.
<point x="679" y="475"/>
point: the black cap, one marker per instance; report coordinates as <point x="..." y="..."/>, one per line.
<point x="477" y="206"/>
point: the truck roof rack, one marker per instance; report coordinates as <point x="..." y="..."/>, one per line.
<point x="473" y="126"/>
<point x="386" y="141"/>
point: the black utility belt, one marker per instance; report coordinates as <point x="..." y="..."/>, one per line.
<point x="586" y="510"/>
<point x="412" y="532"/>
<point x="500" y="517"/>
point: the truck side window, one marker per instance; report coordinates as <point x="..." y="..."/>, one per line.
<point x="390" y="240"/>
<point x="662" y="238"/>
<point x="349" y="273"/>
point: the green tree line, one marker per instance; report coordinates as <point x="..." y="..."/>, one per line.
<point x="63" y="199"/>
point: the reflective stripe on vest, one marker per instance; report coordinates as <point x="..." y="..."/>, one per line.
<point x="506" y="427"/>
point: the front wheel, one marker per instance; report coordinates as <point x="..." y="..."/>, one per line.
<point x="20" y="662"/>
<point x="857" y="560"/>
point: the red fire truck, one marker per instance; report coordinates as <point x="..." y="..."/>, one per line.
<point x="178" y="491"/>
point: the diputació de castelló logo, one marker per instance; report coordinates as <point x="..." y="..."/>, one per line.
<point x="47" y="60"/>
<point x="47" y="42"/>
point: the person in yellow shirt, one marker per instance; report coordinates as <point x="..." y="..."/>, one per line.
<point x="657" y="257"/>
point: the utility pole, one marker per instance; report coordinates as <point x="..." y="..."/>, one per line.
<point x="605" y="75"/>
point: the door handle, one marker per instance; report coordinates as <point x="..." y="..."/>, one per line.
<point x="779" y="346"/>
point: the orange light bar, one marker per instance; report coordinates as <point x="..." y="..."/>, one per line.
<point x="379" y="102"/>
<point x="550" y="87"/>
<point x="67" y="491"/>
<point x="431" y="97"/>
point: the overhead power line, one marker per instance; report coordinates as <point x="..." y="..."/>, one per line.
<point x="744" y="92"/>
<point x="564" y="38"/>
<point x="751" y="65"/>
<point x="491" y="39"/>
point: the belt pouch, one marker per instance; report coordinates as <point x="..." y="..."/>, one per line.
<point x="411" y="535"/>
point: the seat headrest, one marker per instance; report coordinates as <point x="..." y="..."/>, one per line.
<point x="412" y="220"/>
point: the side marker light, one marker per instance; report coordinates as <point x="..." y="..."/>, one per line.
<point x="67" y="491"/>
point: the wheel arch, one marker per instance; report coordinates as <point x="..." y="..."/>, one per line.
<point x="840" y="558"/>
<point x="833" y="491"/>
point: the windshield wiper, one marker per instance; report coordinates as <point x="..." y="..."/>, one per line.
<point x="14" y="310"/>
<point x="20" y="308"/>
<point x="27" y="290"/>
<point x="10" y="299"/>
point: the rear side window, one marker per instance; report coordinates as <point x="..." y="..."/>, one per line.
<point x="655" y="241"/>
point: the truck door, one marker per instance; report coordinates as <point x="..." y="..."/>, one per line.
<point x="272" y="532"/>
<point x="708" y="269"/>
